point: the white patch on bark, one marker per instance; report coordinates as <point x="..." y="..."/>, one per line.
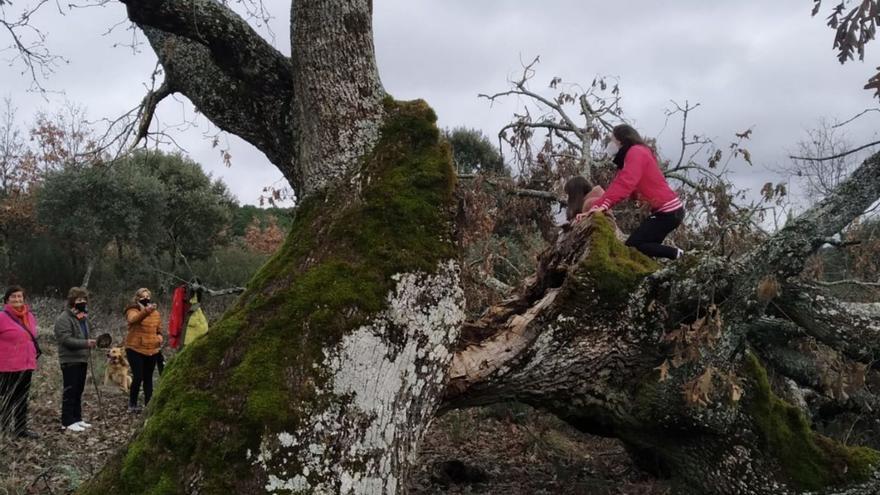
<point x="386" y="378"/>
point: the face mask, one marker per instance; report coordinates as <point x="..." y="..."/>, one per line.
<point x="81" y="307"/>
<point x="611" y="148"/>
<point x="145" y="301"/>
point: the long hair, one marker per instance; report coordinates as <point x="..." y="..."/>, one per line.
<point x="134" y="301"/>
<point x="627" y="136"/>
<point x="577" y="188"/>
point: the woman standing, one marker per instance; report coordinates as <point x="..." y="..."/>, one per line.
<point x="74" y="346"/>
<point x="142" y="345"/>
<point x="640" y="176"/>
<point x="18" y="359"/>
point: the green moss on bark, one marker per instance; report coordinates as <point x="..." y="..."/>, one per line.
<point x="614" y="268"/>
<point x="811" y="461"/>
<point x="254" y="371"/>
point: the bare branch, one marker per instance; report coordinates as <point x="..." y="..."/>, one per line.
<point x="863" y="112"/>
<point x="37" y="59"/>
<point x="528" y="193"/>
<point x="148" y="108"/>
<point x="839" y="155"/>
<point x="847" y="282"/>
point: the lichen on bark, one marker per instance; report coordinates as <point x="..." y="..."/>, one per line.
<point x="266" y="370"/>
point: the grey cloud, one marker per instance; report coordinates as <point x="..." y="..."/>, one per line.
<point x="750" y="63"/>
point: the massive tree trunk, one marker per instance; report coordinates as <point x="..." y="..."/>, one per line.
<point x="327" y="371"/>
<point x="325" y="374"/>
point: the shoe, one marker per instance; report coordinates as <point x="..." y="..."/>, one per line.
<point x="28" y="434"/>
<point x="679" y="253"/>
<point x="84" y="424"/>
<point x="134" y="409"/>
<point x="74" y="427"/>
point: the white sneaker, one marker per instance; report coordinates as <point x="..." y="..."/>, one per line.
<point x="74" y="427"/>
<point x="83" y="424"/>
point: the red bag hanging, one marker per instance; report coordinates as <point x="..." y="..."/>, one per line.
<point x="175" y="319"/>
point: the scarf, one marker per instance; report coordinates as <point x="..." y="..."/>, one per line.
<point x="621" y="154"/>
<point x="21" y="315"/>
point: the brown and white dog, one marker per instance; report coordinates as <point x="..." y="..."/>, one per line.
<point x="117" y="368"/>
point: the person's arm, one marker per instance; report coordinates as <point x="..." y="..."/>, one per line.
<point x="64" y="335"/>
<point x="624" y="184"/>
<point x="134" y="315"/>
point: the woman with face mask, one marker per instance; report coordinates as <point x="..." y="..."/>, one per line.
<point x="18" y="360"/>
<point x="639" y="175"/>
<point x="72" y="333"/>
<point x="142" y="345"/>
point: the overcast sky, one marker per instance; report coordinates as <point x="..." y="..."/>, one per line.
<point x="750" y="63"/>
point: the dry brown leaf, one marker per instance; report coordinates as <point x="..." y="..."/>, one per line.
<point x="664" y="370"/>
<point x="696" y="391"/>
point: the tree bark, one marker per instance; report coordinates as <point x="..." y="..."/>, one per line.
<point x="327" y="371"/>
<point x="332" y="47"/>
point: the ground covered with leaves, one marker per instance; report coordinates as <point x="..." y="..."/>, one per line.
<point x="512" y="449"/>
<point x="503" y="449"/>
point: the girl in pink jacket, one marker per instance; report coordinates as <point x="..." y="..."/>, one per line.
<point x="18" y="360"/>
<point x="640" y="176"/>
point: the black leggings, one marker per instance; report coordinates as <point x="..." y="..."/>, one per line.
<point x="648" y="237"/>
<point x="14" y="388"/>
<point x="141" y="371"/>
<point x="73" y="375"/>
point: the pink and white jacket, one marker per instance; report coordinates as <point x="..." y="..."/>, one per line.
<point x="17" y="351"/>
<point x="640" y="176"/>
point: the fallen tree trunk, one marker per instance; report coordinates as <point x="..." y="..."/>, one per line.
<point x="674" y="362"/>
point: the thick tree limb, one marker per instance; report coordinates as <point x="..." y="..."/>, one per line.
<point x="260" y="117"/>
<point x="785" y="253"/>
<point x="835" y="157"/>
<point x="830" y="322"/>
<point x="231" y="74"/>
<point x="234" y="46"/>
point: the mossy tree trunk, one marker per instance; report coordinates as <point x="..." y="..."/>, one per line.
<point x="327" y="371"/>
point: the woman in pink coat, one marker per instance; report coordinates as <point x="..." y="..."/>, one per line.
<point x="18" y="360"/>
<point x="639" y="176"/>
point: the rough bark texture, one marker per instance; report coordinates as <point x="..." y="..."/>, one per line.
<point x="232" y="75"/>
<point x="332" y="47"/>
<point x="327" y="371"/>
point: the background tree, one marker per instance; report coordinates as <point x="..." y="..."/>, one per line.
<point x="473" y="153"/>
<point x="85" y="210"/>
<point x="17" y="176"/>
<point x="196" y="210"/>
<point x="264" y="238"/>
